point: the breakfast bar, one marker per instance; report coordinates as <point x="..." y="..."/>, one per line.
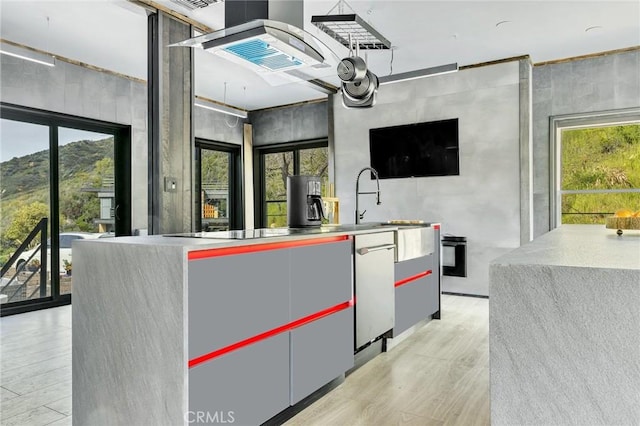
<point x="565" y="329"/>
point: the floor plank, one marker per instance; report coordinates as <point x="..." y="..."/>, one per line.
<point x="27" y="385"/>
<point x="31" y="401"/>
<point x="66" y="421"/>
<point x="6" y="394"/>
<point x="37" y="417"/>
<point x="36" y="369"/>
<point x="62" y="406"/>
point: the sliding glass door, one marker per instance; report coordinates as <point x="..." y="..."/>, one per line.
<point x="25" y="203"/>
<point x="63" y="179"/>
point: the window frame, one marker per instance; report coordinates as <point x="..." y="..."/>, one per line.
<point x="578" y="121"/>
<point x="236" y="218"/>
<point x="259" y="170"/>
<point x="122" y="169"/>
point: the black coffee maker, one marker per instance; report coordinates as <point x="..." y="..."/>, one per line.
<point x="304" y="201"/>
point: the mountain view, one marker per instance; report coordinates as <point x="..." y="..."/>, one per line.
<point x="24" y="190"/>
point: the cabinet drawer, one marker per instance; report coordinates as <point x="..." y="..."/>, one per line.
<point x="320" y="277"/>
<point x="250" y="384"/>
<point x="410" y="268"/>
<point x="232" y="298"/>
<point x="320" y="352"/>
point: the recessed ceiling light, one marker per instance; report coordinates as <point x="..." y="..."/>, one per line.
<point x="595" y="28"/>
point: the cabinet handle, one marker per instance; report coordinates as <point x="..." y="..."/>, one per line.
<point x="364" y="250"/>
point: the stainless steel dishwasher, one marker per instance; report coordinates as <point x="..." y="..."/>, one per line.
<point x="375" y="294"/>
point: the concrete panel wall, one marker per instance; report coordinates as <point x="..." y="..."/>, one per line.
<point x="603" y="83"/>
<point x="483" y="202"/>
<point x="217" y="127"/>
<point x="79" y="91"/>
<point x="299" y="123"/>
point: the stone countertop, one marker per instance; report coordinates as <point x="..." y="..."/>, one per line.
<point x="203" y="241"/>
<point x="588" y="246"/>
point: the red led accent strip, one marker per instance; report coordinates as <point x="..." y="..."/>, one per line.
<point x="413" y="278"/>
<point x="262" y="336"/>
<point x="254" y="248"/>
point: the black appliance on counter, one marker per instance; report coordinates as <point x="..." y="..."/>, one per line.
<point x="304" y="201"/>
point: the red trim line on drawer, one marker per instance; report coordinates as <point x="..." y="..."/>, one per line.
<point x="254" y="248"/>
<point x="262" y="336"/>
<point x="413" y="278"/>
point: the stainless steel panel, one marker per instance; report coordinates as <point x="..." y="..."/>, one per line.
<point x="374" y="286"/>
<point x="414" y="242"/>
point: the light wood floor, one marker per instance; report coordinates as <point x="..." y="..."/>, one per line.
<point x="438" y="376"/>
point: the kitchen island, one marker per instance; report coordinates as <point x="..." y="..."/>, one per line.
<point x="200" y="328"/>
<point x="565" y="329"/>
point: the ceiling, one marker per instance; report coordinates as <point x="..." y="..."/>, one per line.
<point x="112" y="34"/>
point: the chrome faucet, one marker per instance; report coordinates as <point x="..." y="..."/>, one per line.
<point x="360" y="216"/>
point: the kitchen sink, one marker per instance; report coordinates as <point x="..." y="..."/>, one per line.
<point x="412" y="240"/>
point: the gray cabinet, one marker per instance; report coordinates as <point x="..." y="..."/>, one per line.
<point x="262" y="297"/>
<point x="419" y="298"/>
<point x="251" y="384"/>
<point x="323" y="349"/>
<point x="320" y="352"/>
<point x="232" y="298"/>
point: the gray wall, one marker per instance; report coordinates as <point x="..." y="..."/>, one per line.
<point x="603" y="83"/>
<point x="290" y="124"/>
<point x="217" y="127"/>
<point x="79" y="91"/>
<point x="483" y="202"/>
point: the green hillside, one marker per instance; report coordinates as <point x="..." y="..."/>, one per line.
<point x="599" y="159"/>
<point x="22" y="175"/>
<point x="24" y="190"/>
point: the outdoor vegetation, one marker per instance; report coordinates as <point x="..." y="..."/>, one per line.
<point x="600" y="158"/>
<point x="278" y="166"/>
<point x="24" y="191"/>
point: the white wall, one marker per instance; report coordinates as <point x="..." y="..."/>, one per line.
<point x="483" y="202"/>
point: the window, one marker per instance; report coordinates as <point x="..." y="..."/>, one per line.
<point x="598" y="170"/>
<point x="275" y="164"/>
<point x="58" y="168"/>
<point x="218" y="183"/>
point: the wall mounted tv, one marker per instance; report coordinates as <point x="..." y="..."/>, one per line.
<point x="415" y="150"/>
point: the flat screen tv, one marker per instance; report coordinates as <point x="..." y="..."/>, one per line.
<point x="415" y="150"/>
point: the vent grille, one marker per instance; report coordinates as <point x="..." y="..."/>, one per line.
<point x="195" y="4"/>
<point x="262" y="54"/>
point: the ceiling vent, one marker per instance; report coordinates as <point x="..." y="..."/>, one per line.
<point x="264" y="45"/>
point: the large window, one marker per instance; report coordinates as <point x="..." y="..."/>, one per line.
<point x="63" y="178"/>
<point x="275" y="164"/>
<point x="598" y="171"/>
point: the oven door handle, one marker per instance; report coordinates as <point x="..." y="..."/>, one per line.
<point x="364" y="250"/>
